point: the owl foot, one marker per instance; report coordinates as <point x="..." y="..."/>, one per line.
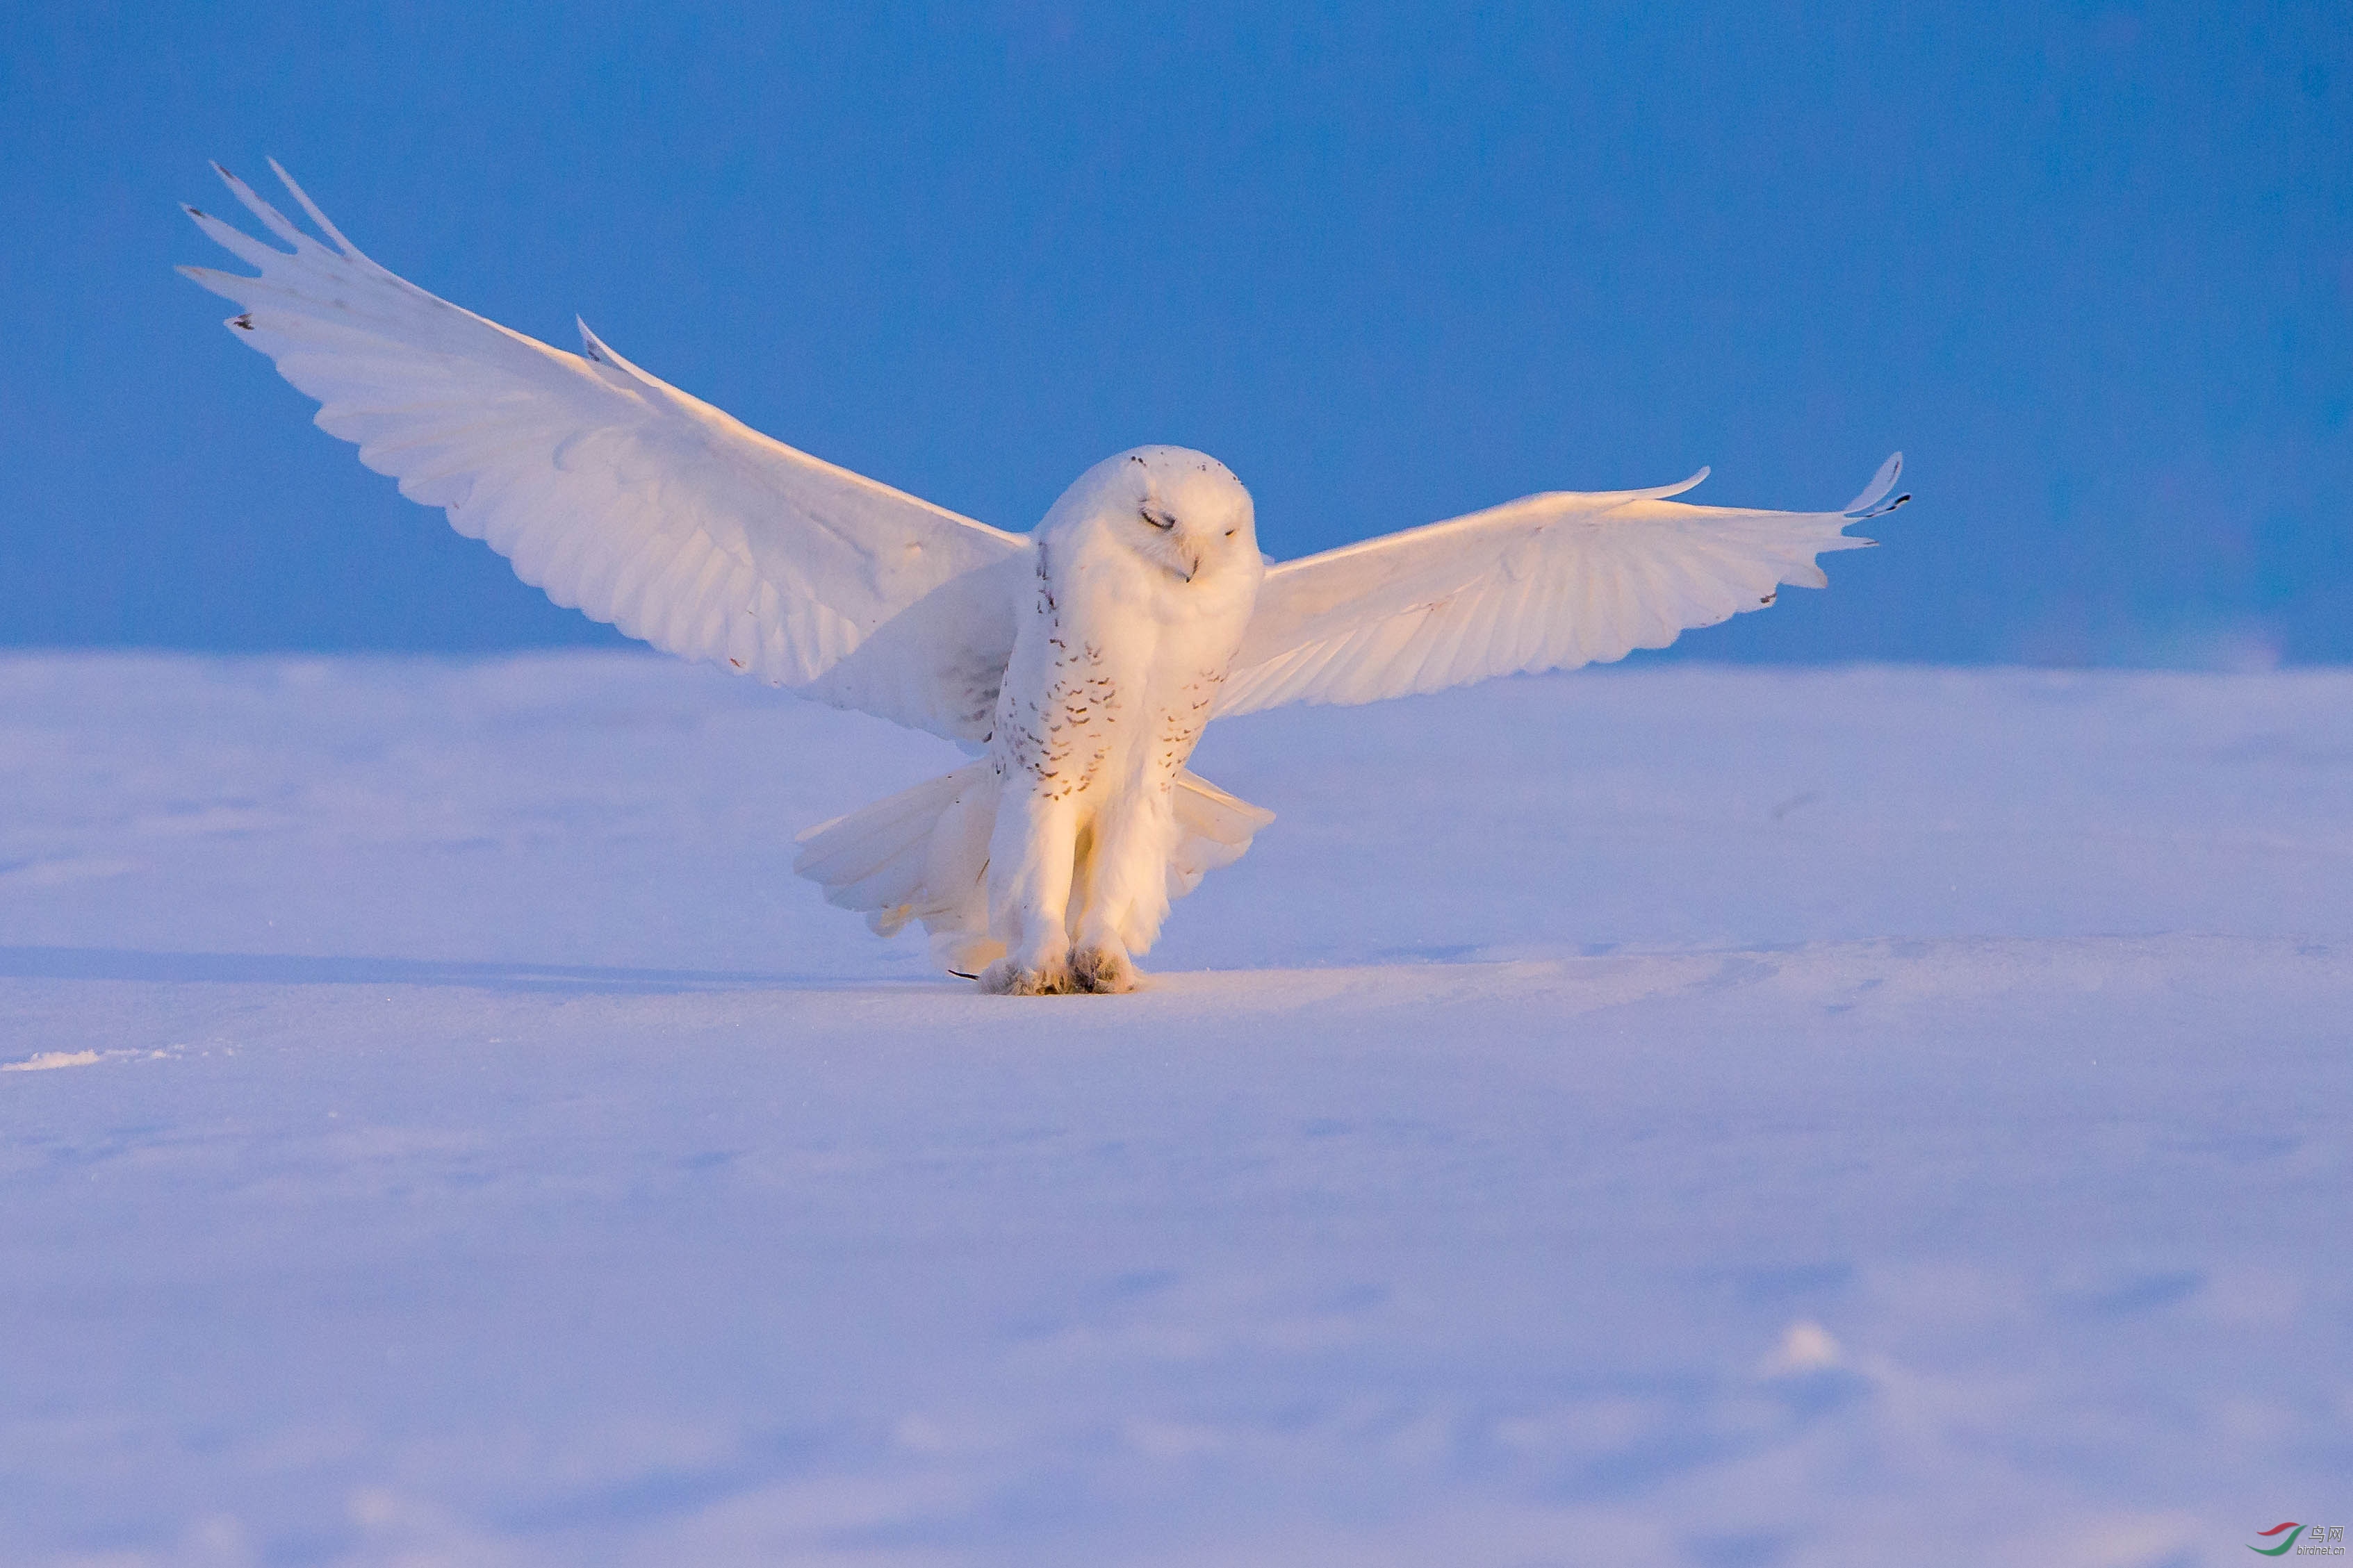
<point x="1104" y="970"/>
<point x="1007" y="977"/>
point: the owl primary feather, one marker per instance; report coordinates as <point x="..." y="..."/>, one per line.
<point x="1079" y="662"/>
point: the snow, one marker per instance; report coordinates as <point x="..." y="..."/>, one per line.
<point x="1666" y="1115"/>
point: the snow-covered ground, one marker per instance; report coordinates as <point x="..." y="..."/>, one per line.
<point x="1657" y="1116"/>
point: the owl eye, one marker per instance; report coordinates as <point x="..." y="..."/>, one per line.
<point x="1162" y="522"/>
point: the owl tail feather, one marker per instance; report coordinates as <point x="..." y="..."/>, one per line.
<point x="923" y="855"/>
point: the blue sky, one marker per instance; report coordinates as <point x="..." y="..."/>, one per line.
<point x="2091" y="267"/>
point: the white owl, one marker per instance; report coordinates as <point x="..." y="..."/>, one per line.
<point x="1079" y="662"/>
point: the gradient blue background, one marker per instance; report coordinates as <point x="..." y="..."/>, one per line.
<point x="2091" y="267"/>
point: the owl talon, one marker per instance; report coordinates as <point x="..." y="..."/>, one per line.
<point x="1008" y="978"/>
<point x="1104" y="971"/>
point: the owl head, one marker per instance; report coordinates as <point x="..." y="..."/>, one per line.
<point x="1182" y="510"/>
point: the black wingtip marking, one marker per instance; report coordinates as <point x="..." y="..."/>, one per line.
<point x="243" y="324"/>
<point x="1881" y="509"/>
<point x="1771" y="597"/>
<point x="960" y="974"/>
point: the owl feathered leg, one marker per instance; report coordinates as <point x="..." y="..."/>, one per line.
<point x="1031" y="855"/>
<point x="922" y="856"/>
<point x="1122" y="892"/>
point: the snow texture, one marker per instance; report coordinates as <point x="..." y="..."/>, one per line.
<point x="1776" y="1118"/>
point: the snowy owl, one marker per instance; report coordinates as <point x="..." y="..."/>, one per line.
<point x="1077" y="663"/>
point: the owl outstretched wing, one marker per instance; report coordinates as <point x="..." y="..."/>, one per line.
<point x="1547" y="583"/>
<point x="625" y="498"/>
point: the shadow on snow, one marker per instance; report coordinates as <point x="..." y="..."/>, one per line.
<point x="281" y="969"/>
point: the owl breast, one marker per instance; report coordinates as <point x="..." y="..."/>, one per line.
<point x="1115" y="669"/>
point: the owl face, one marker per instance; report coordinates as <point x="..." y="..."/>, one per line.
<point x="1182" y="510"/>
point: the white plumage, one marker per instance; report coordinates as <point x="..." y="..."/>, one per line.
<point x="1082" y="659"/>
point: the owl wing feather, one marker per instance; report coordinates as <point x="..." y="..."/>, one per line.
<point x="625" y="498"/>
<point x="1550" y="581"/>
